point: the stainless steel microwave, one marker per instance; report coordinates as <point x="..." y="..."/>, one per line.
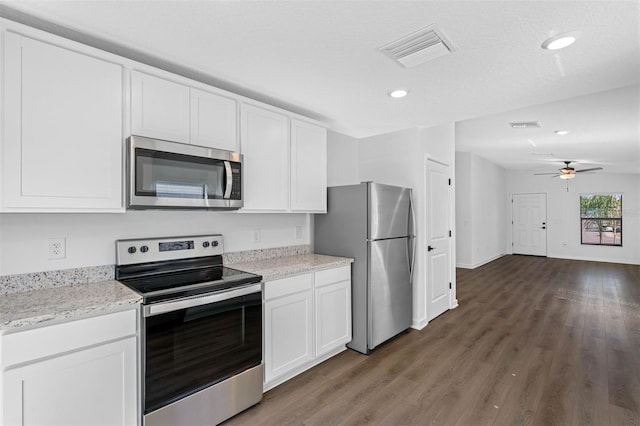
<point x="172" y="175"/>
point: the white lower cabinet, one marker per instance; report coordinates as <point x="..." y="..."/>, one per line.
<point x="290" y="334"/>
<point x="333" y="316"/>
<point x="94" y="384"/>
<point x="307" y="319"/>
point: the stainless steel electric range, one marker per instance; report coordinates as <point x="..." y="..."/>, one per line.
<point x="201" y="338"/>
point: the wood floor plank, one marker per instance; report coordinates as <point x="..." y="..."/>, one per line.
<point x="534" y="341"/>
<point x="592" y="408"/>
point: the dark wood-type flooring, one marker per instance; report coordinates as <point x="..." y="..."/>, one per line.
<point x="534" y="341"/>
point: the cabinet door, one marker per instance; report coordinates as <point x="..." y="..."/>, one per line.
<point x="63" y="129"/>
<point x="214" y="120"/>
<point x="95" y="386"/>
<point x="333" y="316"/>
<point x="308" y="167"/>
<point x="265" y="146"/>
<point x="159" y="108"/>
<point x="288" y="334"/>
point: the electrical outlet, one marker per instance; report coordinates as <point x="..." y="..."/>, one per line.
<point x="57" y="248"/>
<point x="256" y="235"/>
<point x="298" y="232"/>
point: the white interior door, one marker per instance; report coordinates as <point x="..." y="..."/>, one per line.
<point x="529" y="224"/>
<point x="438" y="252"/>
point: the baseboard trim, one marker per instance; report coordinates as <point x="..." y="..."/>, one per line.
<point x="287" y="376"/>
<point x="594" y="259"/>
<point x="419" y="324"/>
<point x="478" y="264"/>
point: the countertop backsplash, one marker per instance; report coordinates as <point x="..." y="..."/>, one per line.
<point x="58" y="278"/>
<point x="263" y="254"/>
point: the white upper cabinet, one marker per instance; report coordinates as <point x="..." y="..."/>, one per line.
<point x="63" y="128"/>
<point x="159" y="108"/>
<point x="265" y="146"/>
<point x="285" y="162"/>
<point x="214" y="120"/>
<point x="308" y="167"/>
<point x="168" y="110"/>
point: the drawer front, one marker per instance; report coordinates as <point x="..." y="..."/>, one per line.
<point x="334" y="275"/>
<point x="286" y="286"/>
<point x="29" y="345"/>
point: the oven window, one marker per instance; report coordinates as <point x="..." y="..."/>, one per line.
<point x="191" y="349"/>
<point x="164" y="174"/>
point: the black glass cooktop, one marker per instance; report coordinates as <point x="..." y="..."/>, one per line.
<point x="179" y="284"/>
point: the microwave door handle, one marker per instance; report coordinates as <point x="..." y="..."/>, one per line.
<point x="229" y="180"/>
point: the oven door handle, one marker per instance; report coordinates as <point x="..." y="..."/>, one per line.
<point x="162" y="308"/>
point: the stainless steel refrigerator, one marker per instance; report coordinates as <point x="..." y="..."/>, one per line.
<point x="373" y="224"/>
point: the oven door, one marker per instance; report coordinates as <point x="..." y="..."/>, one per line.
<point x="195" y="343"/>
<point x="174" y="175"/>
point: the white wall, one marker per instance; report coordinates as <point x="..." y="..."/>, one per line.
<point x="563" y="213"/>
<point x="342" y="159"/>
<point x="464" y="210"/>
<point x="91" y="238"/>
<point x="480" y="214"/>
<point x="398" y="158"/>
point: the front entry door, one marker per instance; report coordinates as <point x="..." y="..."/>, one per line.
<point x="529" y="224"/>
<point x="438" y="239"/>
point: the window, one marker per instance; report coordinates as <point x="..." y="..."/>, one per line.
<point x="601" y="219"/>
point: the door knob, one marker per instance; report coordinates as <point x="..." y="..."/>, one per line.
<point x="429" y="248"/>
<point x="543" y="227"/>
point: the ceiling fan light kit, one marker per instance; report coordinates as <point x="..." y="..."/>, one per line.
<point x="567" y="172"/>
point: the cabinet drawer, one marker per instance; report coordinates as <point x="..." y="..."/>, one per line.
<point x="333" y="275"/>
<point x="289" y="285"/>
<point x="24" y="346"/>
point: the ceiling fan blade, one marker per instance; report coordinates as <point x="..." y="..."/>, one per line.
<point x="588" y="170"/>
<point x="540" y="174"/>
<point x="555" y="175"/>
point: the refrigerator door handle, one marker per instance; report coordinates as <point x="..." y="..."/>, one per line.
<point x="413" y="236"/>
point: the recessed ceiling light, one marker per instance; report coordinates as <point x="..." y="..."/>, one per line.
<point x="559" y="41"/>
<point x="398" y="93"/>
<point x="561" y="132"/>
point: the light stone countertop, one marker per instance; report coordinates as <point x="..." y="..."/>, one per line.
<point x="280" y="267"/>
<point x="39" y="306"/>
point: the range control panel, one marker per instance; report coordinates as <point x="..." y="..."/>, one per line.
<point x="169" y="248"/>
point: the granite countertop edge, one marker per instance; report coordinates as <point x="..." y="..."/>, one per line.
<point x="48" y="305"/>
<point x="281" y="267"/>
<point x="39" y="307"/>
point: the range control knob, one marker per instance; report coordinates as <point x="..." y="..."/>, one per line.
<point x="214" y="243"/>
<point x="131" y="249"/>
<point x="144" y="249"/>
<point x="205" y="244"/>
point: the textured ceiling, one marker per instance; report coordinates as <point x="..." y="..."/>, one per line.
<point x="320" y="58"/>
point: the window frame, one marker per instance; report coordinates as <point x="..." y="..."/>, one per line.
<point x="600" y="219"/>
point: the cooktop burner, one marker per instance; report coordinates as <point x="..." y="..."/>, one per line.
<point x="172" y="268"/>
<point x="173" y="285"/>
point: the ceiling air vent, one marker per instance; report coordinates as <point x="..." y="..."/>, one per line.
<point x="525" y="124"/>
<point x="418" y="47"/>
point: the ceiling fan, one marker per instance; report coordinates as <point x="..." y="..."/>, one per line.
<point x="568" y="172"/>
